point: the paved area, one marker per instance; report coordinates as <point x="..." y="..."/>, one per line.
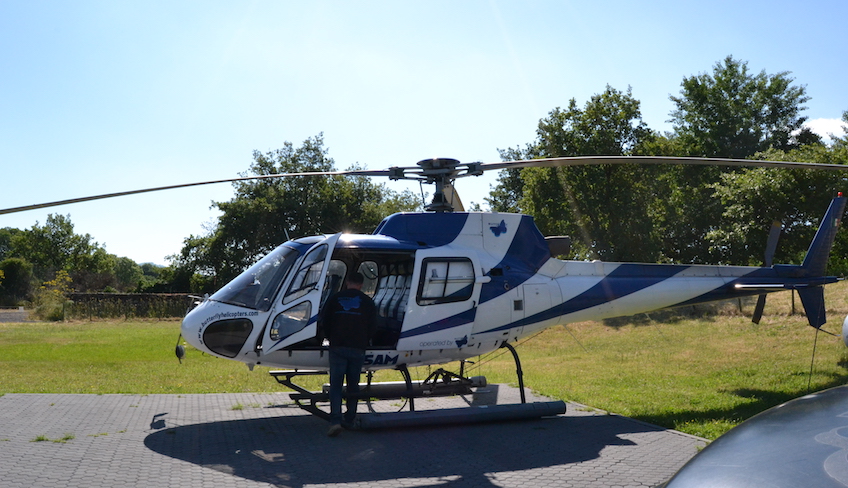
<point x="263" y="440"/>
<point x="13" y="315"/>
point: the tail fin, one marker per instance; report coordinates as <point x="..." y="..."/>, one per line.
<point x="815" y="262"/>
<point x="812" y="299"/>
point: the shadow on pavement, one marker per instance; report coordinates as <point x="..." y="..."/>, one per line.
<point x="294" y="451"/>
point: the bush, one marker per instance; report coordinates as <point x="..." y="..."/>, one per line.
<point x="90" y="306"/>
<point x="51" y="300"/>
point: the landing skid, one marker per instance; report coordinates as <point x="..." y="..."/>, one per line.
<point x="301" y="394"/>
<point x="439" y="383"/>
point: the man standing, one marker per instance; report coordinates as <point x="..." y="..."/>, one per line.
<point x="349" y="319"/>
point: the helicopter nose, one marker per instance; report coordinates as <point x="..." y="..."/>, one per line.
<point x="190" y="329"/>
<point x="217" y="328"/>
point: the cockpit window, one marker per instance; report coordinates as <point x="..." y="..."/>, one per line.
<point x="308" y="275"/>
<point x="255" y="288"/>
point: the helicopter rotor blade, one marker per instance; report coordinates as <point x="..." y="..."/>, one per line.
<point x="597" y="160"/>
<point x="771" y="244"/>
<point x="771" y="247"/>
<point x="444" y="171"/>
<point x="187" y="185"/>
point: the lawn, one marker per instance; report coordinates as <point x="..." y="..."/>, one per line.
<point x="696" y="372"/>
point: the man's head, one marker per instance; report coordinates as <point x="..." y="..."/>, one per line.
<point x="355" y="280"/>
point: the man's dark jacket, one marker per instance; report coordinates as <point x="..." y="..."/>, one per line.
<point x="349" y="319"/>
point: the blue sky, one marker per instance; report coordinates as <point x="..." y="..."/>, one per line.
<point x="105" y="96"/>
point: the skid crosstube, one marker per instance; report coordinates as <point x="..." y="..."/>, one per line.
<point x="439" y="383"/>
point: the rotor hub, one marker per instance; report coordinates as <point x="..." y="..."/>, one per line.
<point x="436" y="167"/>
<point x="440" y="172"/>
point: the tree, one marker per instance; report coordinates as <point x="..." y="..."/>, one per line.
<point x="93" y="271"/>
<point x="506" y="195"/>
<point x="733" y="114"/>
<point x="55" y="247"/>
<point x="265" y="213"/>
<point x="606" y="208"/>
<point x="17" y="281"/>
<point x="39" y="253"/>
<point x="155" y="278"/>
<point x="128" y="274"/>
<point x="728" y="114"/>
<point x="6" y="235"/>
<point x="195" y="259"/>
<point x="753" y="198"/>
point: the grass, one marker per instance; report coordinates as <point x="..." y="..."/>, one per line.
<point x="63" y="440"/>
<point x="134" y="357"/>
<point x="697" y="373"/>
<point x="700" y="375"/>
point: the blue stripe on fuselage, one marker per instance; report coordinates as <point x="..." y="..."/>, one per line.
<point x="426" y="229"/>
<point x="445" y="323"/>
<point x="527" y="252"/>
<point x="624" y="280"/>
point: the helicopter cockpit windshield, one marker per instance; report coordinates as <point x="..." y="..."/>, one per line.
<point x="255" y="288"/>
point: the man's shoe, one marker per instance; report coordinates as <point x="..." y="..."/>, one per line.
<point x="335" y="429"/>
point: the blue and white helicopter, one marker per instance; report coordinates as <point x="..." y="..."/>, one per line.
<point x="452" y="285"/>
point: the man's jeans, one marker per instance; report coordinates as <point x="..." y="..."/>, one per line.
<point x="344" y="362"/>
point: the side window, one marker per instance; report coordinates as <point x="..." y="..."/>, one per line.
<point x="372" y="276"/>
<point x="445" y="280"/>
<point x="291" y="321"/>
<point x="334" y="280"/>
<point x="307" y="276"/>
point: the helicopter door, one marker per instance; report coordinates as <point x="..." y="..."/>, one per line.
<point x="445" y="305"/>
<point x="294" y="317"/>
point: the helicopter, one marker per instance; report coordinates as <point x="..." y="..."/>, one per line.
<point x="451" y="285"/>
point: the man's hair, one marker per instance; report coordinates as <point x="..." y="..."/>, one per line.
<point x="356" y="278"/>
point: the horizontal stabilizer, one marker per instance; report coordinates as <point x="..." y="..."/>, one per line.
<point x="760" y="286"/>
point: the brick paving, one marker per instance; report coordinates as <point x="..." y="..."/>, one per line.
<point x="263" y="440"/>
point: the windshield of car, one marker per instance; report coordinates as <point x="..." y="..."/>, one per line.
<point x="255" y="288"/>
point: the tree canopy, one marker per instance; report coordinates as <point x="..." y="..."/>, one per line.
<point x="734" y="114"/>
<point x="796" y="198"/>
<point x="593" y="204"/>
<point x="681" y="214"/>
<point x="33" y="256"/>
<point x="265" y="213"/>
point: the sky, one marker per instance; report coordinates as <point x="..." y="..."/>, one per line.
<point x="106" y="96"/>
